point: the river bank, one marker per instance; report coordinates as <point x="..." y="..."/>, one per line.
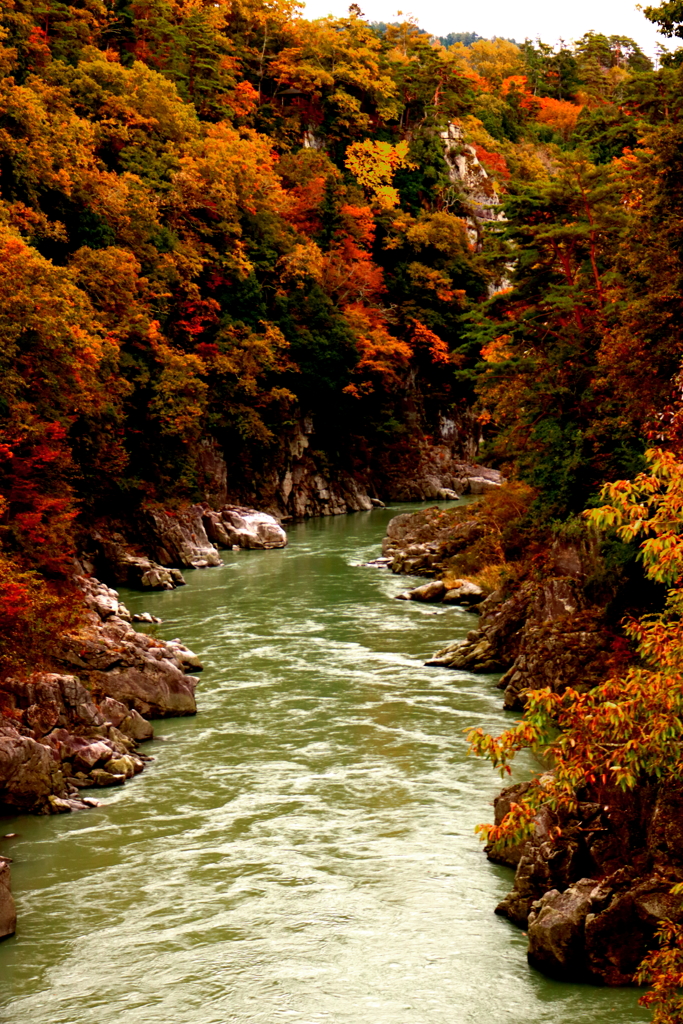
<point x="592" y="886"/>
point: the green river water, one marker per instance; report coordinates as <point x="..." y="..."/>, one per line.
<point x="303" y="851"/>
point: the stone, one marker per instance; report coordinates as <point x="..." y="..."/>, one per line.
<point x="138" y="728"/>
<point x="433" y="591"/>
<point x="113" y="710"/>
<point x="104" y="778"/>
<point x="8" y="911"/>
<point x="60" y="806"/>
<point x="123" y="765"/>
<point x="178" y="539"/>
<point x="251" y="529"/>
<point x="556" y="931"/>
<point x="183" y="657"/>
<point x="87" y="756"/>
<point x="29" y="772"/>
<point x="465" y="593"/>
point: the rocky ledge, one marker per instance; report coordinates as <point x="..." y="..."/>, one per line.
<point x="153" y="551"/>
<point x="78" y="728"/>
<point x="419" y="543"/>
<point x="593" y="897"/>
<point x="543" y="634"/>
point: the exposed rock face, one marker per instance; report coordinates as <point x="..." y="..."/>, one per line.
<point x="302" y="484"/>
<point x="593" y="897"/>
<point x="110" y="556"/>
<point x="8" y="913"/>
<point x="186" y="539"/>
<point x="466" y="170"/>
<point x="542" y="635"/>
<point x="304" y="481"/>
<point x="438" y="475"/>
<point x="179" y="538"/>
<point x="59" y="732"/>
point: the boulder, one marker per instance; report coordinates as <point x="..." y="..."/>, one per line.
<point x="8" y="912"/>
<point x="433" y="591"/>
<point x="465" y="593"/>
<point x="178" y="538"/>
<point x="124" y="765"/>
<point x="101" y="777"/>
<point x="556" y="930"/>
<point x="29" y="772"/>
<point x="138" y="728"/>
<point x="245" y="528"/>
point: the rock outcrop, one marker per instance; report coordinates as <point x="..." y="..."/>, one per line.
<point x="544" y="634"/>
<point x="419" y="543"/>
<point x="68" y="730"/>
<point x="439" y="475"/>
<point x="187" y="539"/>
<point x="593" y="896"/>
<point x="237" y="526"/>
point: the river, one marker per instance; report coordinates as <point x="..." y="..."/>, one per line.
<point x="303" y="851"/>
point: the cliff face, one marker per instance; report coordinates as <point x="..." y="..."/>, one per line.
<point x="593" y="898"/>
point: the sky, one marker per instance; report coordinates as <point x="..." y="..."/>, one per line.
<point x="550" y="20"/>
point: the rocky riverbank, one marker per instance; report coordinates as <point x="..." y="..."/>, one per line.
<point x="541" y="632"/>
<point x="65" y="734"/>
<point x="591" y="888"/>
<point x="151" y="551"/>
<point x="592" y="897"/>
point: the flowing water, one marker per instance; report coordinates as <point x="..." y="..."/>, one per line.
<point x="303" y="851"/>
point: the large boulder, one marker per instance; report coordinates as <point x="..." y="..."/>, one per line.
<point x="557" y="930"/>
<point x="237" y="526"/>
<point x="29" y="772"/>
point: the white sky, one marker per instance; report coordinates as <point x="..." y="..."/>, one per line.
<point x="516" y="19"/>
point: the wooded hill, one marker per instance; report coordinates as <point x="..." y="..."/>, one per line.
<point x="217" y="218"/>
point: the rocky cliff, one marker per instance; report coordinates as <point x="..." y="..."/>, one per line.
<point x="592" y="897"/>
